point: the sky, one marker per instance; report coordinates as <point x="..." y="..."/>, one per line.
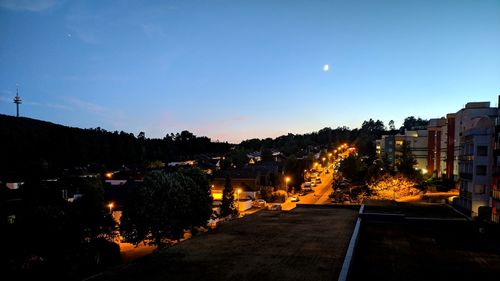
<point x="233" y="69"/>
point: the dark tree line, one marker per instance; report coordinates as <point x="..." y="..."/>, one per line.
<point x="31" y="147"/>
<point x="48" y="236"/>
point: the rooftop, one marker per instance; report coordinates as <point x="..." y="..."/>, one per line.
<point x="423" y="242"/>
<point x="304" y="244"/>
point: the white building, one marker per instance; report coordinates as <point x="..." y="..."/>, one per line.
<point x="474" y="131"/>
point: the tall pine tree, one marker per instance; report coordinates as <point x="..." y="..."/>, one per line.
<point x="227" y="207"/>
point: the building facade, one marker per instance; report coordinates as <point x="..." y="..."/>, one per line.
<point x="473" y="156"/>
<point x="437" y="140"/>
<point x="390" y="146"/>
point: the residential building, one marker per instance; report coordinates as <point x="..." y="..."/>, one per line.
<point x="495" y="186"/>
<point x="437" y="146"/>
<point x="249" y="179"/>
<point x="390" y="146"/>
<point x="473" y="157"/>
<point x="450" y="146"/>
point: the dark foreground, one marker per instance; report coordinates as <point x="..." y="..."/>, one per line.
<point x="304" y="244"/>
<point x="428" y="242"/>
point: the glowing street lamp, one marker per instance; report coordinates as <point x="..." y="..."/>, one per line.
<point x="110" y="205"/>
<point x="287" y="179"/>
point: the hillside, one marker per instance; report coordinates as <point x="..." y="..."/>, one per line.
<point x="30" y="147"/>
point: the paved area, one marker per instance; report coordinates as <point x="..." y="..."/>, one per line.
<point x="319" y="195"/>
<point x="303" y="244"/>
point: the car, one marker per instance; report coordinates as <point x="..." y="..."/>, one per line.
<point x="307" y="184"/>
<point x="274" y="207"/>
<point x="295" y="199"/>
<point x="259" y="203"/>
<point x="318" y="180"/>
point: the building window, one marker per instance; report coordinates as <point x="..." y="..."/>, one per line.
<point x="480" y="170"/>
<point x="482" y="150"/>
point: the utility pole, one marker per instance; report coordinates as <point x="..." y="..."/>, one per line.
<point x="17" y="101"/>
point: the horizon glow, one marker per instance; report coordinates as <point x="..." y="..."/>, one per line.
<point x="235" y="70"/>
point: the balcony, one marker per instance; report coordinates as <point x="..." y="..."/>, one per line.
<point x="495" y="194"/>
<point x="466" y="157"/>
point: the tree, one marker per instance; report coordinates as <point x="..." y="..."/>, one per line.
<point x="164" y="206"/>
<point x="412" y="123"/>
<point x="266" y="155"/>
<point x="227" y="207"/>
<point x="294" y="168"/>
<point x="405" y="162"/>
<point x="238" y="157"/>
<point x="88" y="213"/>
<point x="201" y="199"/>
<point x="141" y="136"/>
<point x="353" y="168"/>
<point x="391" y="125"/>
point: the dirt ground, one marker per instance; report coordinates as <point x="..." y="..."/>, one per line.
<point x="303" y="244"/>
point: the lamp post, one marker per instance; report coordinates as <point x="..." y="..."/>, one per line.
<point x="110" y="205"/>
<point x="238" y="200"/>
<point x="287" y="179"/>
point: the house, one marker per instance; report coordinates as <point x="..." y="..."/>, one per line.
<point x="249" y="179"/>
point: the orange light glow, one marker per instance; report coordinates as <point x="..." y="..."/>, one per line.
<point x="109" y="175"/>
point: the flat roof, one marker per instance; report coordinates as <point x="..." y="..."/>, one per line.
<point x="430" y="243"/>
<point x="307" y="243"/>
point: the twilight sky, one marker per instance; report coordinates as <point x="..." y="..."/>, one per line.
<point x="235" y="69"/>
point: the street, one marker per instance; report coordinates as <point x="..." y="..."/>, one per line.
<point x="319" y="195"/>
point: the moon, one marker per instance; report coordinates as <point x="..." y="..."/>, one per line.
<point x="326" y="67"/>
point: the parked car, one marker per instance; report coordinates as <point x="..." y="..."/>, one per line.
<point x="274" y="207"/>
<point x="295" y="199"/>
<point x="259" y="203"/>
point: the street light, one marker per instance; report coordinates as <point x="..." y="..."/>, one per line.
<point x="238" y="191"/>
<point x="287" y="179"/>
<point x="110" y="205"/>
